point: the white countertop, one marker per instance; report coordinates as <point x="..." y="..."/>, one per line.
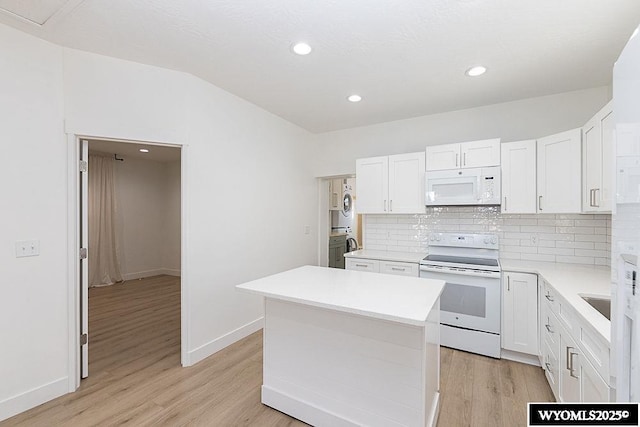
<point x="414" y="257"/>
<point x="397" y="298"/>
<point x="571" y="281"/>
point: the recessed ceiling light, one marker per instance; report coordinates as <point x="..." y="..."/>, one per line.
<point x="354" y="98"/>
<point x="476" y="71"/>
<point x="301" y="49"/>
<point x="144" y="150"/>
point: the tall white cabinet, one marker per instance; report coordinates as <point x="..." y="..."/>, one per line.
<point x="559" y="173"/>
<point x="519" y="177"/>
<point x="391" y="184"/>
<point x="597" y="159"/>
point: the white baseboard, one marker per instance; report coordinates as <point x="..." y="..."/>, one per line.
<point x="206" y="350"/>
<point x="516" y="356"/>
<point x="32" y="398"/>
<point x="302" y="410"/>
<point x="150" y="273"/>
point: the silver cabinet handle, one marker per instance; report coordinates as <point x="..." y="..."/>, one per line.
<point x="362" y="265"/>
<point x="508" y="283"/>
<point x="397" y="269"/>
<point x="539" y="202"/>
<point x="390" y="205"/>
<point x="457" y="155"/>
<point x="572" y="368"/>
<point x="591" y="197"/>
<point x="596" y="193"/>
<point x="385" y="205"/>
<point x="549" y="297"/>
<point x="548" y="365"/>
<point x="464" y="159"/>
<point x="548" y="326"/>
<point x="505" y="203"/>
<point x="568" y="358"/>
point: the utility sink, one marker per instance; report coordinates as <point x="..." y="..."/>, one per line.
<point x="603" y="305"/>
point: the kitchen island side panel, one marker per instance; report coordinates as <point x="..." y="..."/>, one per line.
<point x="328" y="367"/>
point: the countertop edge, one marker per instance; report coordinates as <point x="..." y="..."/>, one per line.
<point x="366" y="313"/>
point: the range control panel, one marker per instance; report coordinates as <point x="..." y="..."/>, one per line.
<point x="463" y="240"/>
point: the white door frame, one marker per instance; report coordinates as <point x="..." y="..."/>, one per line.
<point x="324" y="217"/>
<point x="73" y="249"/>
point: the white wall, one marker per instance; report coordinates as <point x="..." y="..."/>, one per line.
<point x="33" y="183"/>
<point x="511" y="121"/>
<point x="248" y="194"/>
<point x="147" y="217"/>
<point x="172" y="222"/>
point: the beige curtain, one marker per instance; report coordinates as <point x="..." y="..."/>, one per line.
<point x="104" y="265"/>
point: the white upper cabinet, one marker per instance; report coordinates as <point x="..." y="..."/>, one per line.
<point x="372" y="181"/>
<point x="518" y="161"/>
<point x="336" y="193"/>
<point x="441" y="157"/>
<point x="406" y="183"/>
<point x="480" y="154"/>
<point x="391" y="184"/>
<point x="597" y="161"/>
<point x="473" y="154"/>
<point x="559" y="173"/>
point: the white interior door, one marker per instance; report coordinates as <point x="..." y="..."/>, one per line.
<point x="84" y="259"/>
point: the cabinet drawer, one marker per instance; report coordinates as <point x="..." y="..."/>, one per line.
<point x="400" y="268"/>
<point x="551" y="330"/>
<point x="596" y="350"/>
<point x="363" y="265"/>
<point x="567" y="317"/>
<point x="550" y="366"/>
<point x="337" y="240"/>
<point x="549" y="296"/>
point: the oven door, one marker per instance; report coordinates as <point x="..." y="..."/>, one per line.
<point x="469" y="300"/>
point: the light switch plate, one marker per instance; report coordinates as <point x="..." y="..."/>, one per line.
<point x="25" y="248"/>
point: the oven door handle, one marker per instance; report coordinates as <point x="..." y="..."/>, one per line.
<point x="490" y="275"/>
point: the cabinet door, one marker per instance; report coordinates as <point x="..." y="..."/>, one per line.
<point x="440" y="157"/>
<point x="372" y="181"/>
<point x="335" y="194"/>
<point x="360" y="264"/>
<point x="518" y="161"/>
<point x="592" y="387"/>
<point x="406" y="183"/>
<point x="569" y="369"/>
<point x="520" y="312"/>
<point x="604" y="198"/>
<point x="559" y="173"/>
<point x="340" y="256"/>
<point x="476" y="154"/>
<point x="597" y="158"/>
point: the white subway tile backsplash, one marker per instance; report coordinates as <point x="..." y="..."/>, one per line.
<point x="573" y="238"/>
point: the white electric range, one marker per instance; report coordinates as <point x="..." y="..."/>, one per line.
<point x="470" y="303"/>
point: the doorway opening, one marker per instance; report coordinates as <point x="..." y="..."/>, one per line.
<point x="130" y="240"/>
<point x="340" y="224"/>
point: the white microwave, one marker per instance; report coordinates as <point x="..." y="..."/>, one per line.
<point x="473" y="186"/>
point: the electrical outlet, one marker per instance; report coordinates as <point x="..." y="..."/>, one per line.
<point x="25" y="248"/>
<point x="534" y="240"/>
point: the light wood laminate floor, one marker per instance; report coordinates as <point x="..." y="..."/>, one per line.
<point x="136" y="378"/>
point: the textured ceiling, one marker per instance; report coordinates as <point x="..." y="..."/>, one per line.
<point x="405" y="57"/>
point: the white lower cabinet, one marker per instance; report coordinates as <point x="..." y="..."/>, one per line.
<point x="574" y="360"/>
<point x="520" y="312"/>
<point x="386" y="267"/>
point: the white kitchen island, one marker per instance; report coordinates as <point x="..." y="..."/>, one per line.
<point x="346" y="348"/>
